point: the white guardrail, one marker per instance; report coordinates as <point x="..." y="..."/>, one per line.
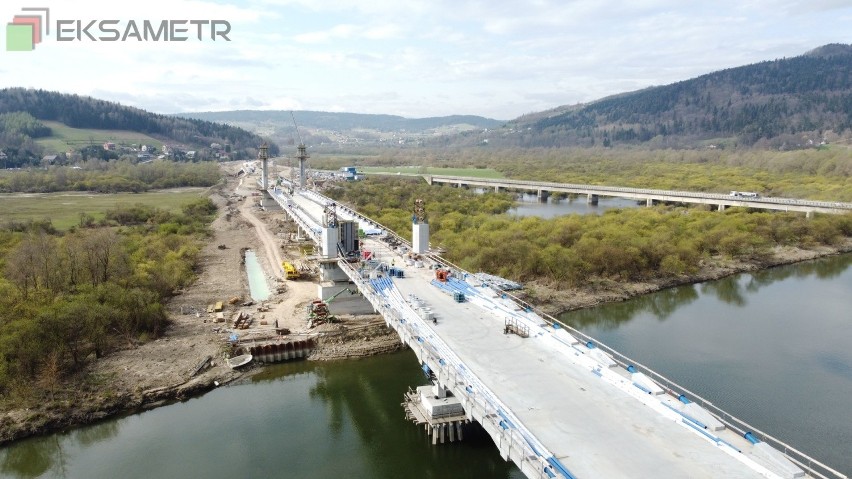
<point x="486" y="407"/>
<point x="521" y="184"/>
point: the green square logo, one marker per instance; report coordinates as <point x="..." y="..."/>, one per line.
<point x="19" y="38"/>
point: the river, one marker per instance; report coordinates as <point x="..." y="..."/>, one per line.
<point x="529" y="205"/>
<point x="771" y="348"/>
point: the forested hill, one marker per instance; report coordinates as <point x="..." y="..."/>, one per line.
<point x="339" y="121"/>
<point x="86" y="112"/>
<point x="786" y="103"/>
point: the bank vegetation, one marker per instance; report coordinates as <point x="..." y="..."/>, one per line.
<point x="631" y="244"/>
<point x="67" y="298"/>
<point x="820" y="173"/>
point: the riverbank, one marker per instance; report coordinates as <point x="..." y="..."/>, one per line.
<point x="160" y="372"/>
<point x="163" y="371"/>
<point x="555" y="301"/>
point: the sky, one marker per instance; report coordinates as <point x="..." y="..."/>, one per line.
<point x="496" y="58"/>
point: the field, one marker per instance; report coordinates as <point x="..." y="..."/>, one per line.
<point x="64" y="209"/>
<point x="65" y="138"/>
<point x="426" y="170"/>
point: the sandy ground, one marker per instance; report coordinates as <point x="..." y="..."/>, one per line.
<point x="242" y="224"/>
<point x="162" y="370"/>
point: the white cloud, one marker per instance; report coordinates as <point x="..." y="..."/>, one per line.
<point x="419" y="58"/>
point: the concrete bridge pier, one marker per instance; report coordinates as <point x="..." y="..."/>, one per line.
<point x="592" y="199"/>
<point x="649" y="202"/>
<point x="809" y="214"/>
<point x="543" y="195"/>
<point x="722" y="207"/>
<point x="496" y="189"/>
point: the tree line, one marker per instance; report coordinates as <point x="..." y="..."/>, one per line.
<point x="822" y="174"/>
<point x="111" y="177"/>
<point x="68" y="298"/>
<point x="632" y="244"/>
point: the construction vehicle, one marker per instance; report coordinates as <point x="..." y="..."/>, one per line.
<point x="318" y="312"/>
<point x="290" y="271"/>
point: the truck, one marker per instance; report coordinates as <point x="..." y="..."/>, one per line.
<point x="290" y="271"/>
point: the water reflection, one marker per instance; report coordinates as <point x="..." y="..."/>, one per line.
<point x="31" y="459"/>
<point x="729" y="290"/>
<point x="732" y="290"/>
<point x="661" y="305"/>
<point x="49" y="456"/>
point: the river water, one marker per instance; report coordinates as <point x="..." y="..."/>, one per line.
<point x="529" y="205"/>
<point x="771" y="347"/>
<point x="294" y="420"/>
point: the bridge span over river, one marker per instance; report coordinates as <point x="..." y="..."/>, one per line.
<point x="554" y="401"/>
<point x="721" y="201"/>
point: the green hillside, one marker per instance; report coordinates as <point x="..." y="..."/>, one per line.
<point x="64" y="138"/>
<point x="26" y="116"/>
<point x="789" y="103"/>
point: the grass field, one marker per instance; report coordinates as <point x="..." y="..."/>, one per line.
<point x="421" y="170"/>
<point x="64" y="209"/>
<point x="65" y="138"/>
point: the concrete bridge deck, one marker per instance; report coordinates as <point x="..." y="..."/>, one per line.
<point x="722" y="200"/>
<point x="552" y="404"/>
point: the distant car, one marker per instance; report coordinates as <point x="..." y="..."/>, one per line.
<point x="745" y="194"/>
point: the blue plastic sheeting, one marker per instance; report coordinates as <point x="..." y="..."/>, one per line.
<point x="557" y="326"/>
<point x="442" y="362"/>
<point x="631" y="369"/>
<point x="426" y="368"/>
<point x="590" y="345"/>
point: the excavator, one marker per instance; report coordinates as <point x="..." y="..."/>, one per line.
<point x="318" y="312"/>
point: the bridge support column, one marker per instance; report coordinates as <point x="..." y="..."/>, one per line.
<point x="420" y="238"/>
<point x="649" y="202"/>
<point x="496" y="189"/>
<point x="592" y="199"/>
<point x="722" y="207"/>
<point x="809" y="214"/>
<point x="543" y="195"/>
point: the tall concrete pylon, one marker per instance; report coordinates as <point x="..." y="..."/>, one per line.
<point x="419" y="228"/>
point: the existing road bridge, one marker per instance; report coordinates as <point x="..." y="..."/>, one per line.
<point x="592" y="192"/>
<point x="554" y="401"/>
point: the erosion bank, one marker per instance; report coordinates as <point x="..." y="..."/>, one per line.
<point x="553" y="300"/>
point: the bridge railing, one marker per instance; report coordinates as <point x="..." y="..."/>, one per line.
<point x="812" y="466"/>
<point x="643" y="191"/>
<point x="515" y="442"/>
